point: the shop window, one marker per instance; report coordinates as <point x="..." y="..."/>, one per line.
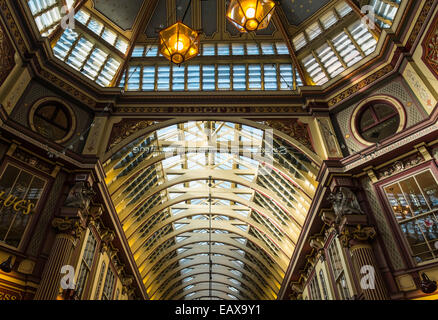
<point x="323" y="285"/>
<point x="108" y="287"/>
<point x="86" y="264"/>
<point x="338" y="272"/>
<point x="20" y="192"/>
<point x="315" y="292"/>
<point x="377" y="121"/>
<point x="53" y="120"/>
<point x="99" y="282"/>
<point x="414" y="203"/>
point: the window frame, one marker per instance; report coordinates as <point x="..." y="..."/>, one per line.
<point x="334" y="280"/>
<point x="371" y="106"/>
<point x="387" y="99"/>
<point x="56" y="101"/>
<point x="31" y="224"/>
<point x="400" y="238"/>
<point x="91" y="274"/>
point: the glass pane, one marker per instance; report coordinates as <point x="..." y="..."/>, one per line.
<point x="286" y="77"/>
<point x="238" y="49"/>
<point x="223" y="77"/>
<point x="208" y="49"/>
<point x="223" y="49"/>
<point x="178" y="78"/>
<point x="208" y="77"/>
<point x="382" y="130"/>
<point x="429" y="187"/>
<point x="254" y="77"/>
<point x="398" y="202"/>
<point x="163" y="78"/>
<point x="383" y="110"/>
<point x="193" y="78"/>
<point x="366" y="119"/>
<point x="270" y="77"/>
<point x="239" y="77"/>
<point x="148" y="78"/>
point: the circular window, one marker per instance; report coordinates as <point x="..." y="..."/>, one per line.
<point x="53" y="120"/>
<point x="377" y="121"/>
<point x="377" y="118"/>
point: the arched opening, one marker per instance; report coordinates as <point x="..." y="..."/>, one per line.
<point x="214" y="197"/>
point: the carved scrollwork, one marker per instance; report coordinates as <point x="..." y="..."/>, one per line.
<point x="358" y="233"/>
<point x="68" y="226"/>
<point x="7" y="52"/>
<point x="399" y="166"/>
<point x="127" y="281"/>
<point x="126" y="128"/>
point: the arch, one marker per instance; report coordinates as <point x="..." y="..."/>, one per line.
<point x="204" y="286"/>
<point x="282" y="260"/>
<point x="216" y="279"/>
<point x="288" y="230"/>
<point x="164" y="203"/>
<point x="231" y="253"/>
<point x="312" y="155"/>
<point x="200" y="175"/>
<point x="273" y="284"/>
<point x="221" y="270"/>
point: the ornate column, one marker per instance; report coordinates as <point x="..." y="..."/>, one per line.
<point x="69" y="224"/>
<point x="68" y="230"/>
<point x="357" y="236"/>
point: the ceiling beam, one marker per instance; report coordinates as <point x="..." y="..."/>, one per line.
<point x="141" y="21"/>
<point x="376" y="31"/>
<point x="279" y="18"/>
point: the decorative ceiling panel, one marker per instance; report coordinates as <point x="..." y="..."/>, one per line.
<point x="122" y="13"/>
<point x="297" y="11"/>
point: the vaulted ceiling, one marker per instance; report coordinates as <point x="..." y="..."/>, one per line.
<point x="181" y="209"/>
<point x="207" y="213"/>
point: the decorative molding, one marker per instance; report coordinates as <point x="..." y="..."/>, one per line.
<point x="393" y="146"/>
<point x="208" y="110"/>
<point x="399" y="166"/>
<point x="7" y="52"/>
<point x="80" y="196"/>
<point x="68" y="226"/>
<point x="430" y="48"/>
<point x="420" y="22"/>
<point x="361" y="85"/>
<point x="12" y="26"/>
<point x="32" y="161"/>
<point x="358" y="233"/>
<point x="125" y="129"/>
<point x="293" y="128"/>
<point x="67" y="88"/>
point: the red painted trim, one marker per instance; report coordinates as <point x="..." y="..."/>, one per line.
<point x="431" y="32"/>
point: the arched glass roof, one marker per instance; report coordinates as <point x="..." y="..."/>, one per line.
<point x="211" y="208"/>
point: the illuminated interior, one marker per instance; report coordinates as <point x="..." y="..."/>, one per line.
<point x="162" y="183"/>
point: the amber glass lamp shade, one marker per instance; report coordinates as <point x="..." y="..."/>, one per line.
<point x="179" y="43"/>
<point x="250" y="15"/>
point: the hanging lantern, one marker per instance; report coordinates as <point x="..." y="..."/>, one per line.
<point x="250" y="15"/>
<point x="179" y="43"/>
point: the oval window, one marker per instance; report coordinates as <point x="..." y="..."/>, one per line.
<point x="377" y="121"/>
<point x="52" y="120"/>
